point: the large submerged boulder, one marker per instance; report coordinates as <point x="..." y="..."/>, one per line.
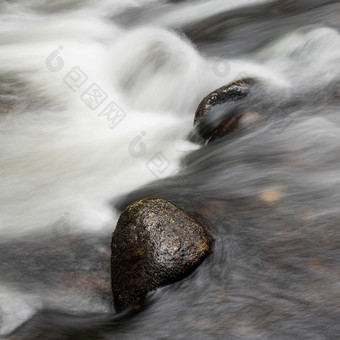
<point x="155" y="243"/>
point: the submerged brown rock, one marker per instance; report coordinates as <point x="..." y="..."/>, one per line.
<point x="155" y="243"/>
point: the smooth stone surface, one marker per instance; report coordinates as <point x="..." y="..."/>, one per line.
<point x="155" y="243"/>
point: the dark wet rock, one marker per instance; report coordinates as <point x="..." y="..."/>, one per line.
<point x="223" y="111"/>
<point x="232" y="92"/>
<point x="155" y="243"/>
<point x="236" y="122"/>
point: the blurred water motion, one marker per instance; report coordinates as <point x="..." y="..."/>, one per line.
<point x="97" y="103"/>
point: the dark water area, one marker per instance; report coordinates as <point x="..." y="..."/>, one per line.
<point x="243" y="30"/>
<point x="269" y="196"/>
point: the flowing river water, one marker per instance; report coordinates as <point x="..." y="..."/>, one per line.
<point x="97" y="101"/>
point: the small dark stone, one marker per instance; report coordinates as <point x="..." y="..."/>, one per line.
<point x="232" y="92"/>
<point x="237" y="122"/>
<point x="155" y="243"/>
<point x="219" y="113"/>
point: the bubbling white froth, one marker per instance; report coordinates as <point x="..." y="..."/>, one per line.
<point x="68" y="158"/>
